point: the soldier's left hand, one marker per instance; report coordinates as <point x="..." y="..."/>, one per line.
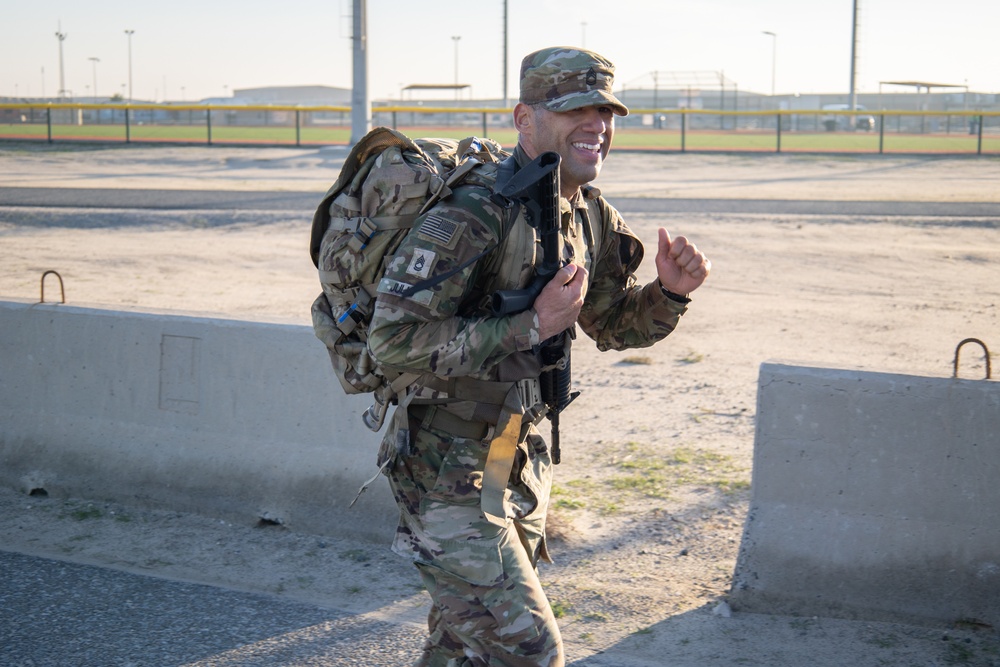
<point x="681" y="267"/>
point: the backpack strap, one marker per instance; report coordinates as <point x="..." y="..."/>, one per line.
<point x="505" y="171"/>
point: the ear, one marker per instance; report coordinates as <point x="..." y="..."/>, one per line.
<point x="524" y="117"/>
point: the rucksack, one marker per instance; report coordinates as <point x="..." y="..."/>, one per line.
<point x="387" y="182"/>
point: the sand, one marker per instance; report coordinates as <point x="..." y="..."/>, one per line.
<point x="878" y="292"/>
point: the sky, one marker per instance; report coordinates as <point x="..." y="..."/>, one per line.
<point x="188" y="50"/>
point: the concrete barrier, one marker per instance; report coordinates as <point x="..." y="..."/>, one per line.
<point x="240" y="420"/>
<point x="875" y="496"/>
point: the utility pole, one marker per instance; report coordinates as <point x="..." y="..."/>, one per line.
<point x="361" y="117"/>
<point x="854" y="57"/>
<point x="95" y="61"/>
<point x="61" y="36"/>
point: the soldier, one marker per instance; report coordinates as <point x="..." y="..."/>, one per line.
<point x="471" y="473"/>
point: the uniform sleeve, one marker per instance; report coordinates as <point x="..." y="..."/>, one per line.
<point x="618" y="313"/>
<point x="425" y="332"/>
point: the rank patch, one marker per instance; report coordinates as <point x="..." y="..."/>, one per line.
<point x="420" y="265"/>
<point x="441" y="231"/>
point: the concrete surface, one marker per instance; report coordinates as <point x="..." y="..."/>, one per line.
<point x="875" y="495"/>
<point x="217" y="416"/>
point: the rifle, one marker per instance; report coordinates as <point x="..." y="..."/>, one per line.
<point x="536" y="188"/>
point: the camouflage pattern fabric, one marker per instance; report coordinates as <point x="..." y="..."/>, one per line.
<point x="488" y="605"/>
<point x="563" y="78"/>
<point x="437" y="481"/>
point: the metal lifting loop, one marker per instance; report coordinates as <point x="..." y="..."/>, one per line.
<point x="986" y="353"/>
<point x="62" y="289"/>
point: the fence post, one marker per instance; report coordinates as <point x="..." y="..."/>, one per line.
<point x="298" y="129"/>
<point x="881" y="133"/>
<point x="485" y="131"/>
<point x="48" y="122"/>
<point x="979" y="143"/>
<point x="683" y="130"/>
<point x="778" y="117"/>
<point x="128" y="130"/>
<point x="208" y="123"/>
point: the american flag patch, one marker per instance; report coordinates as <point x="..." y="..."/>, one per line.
<point x="441" y="231"/>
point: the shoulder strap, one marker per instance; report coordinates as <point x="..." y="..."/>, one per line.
<point x="505" y="171"/>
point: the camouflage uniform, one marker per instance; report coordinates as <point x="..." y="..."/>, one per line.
<point x="489" y="608"/>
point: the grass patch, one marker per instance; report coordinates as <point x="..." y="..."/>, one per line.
<point x="560" y="609"/>
<point x="561" y="498"/>
<point x="598" y="616"/>
<point x="635" y="472"/>
<point x="692" y="357"/>
<point x="638" y="361"/>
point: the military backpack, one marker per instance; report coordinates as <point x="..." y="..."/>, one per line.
<point x="387" y="182"/>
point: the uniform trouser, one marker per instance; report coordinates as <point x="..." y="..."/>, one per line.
<point x="506" y="625"/>
<point x="488" y="606"/>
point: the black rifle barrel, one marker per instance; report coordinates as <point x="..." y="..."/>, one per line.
<point x="536" y="188"/>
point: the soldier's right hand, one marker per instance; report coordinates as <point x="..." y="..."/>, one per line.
<point x="559" y="303"/>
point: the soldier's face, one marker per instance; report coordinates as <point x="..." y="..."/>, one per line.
<point x="582" y="137"/>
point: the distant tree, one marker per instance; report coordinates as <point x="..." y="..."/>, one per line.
<point x="117" y="97"/>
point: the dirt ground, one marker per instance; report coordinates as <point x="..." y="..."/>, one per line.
<point x="650" y="500"/>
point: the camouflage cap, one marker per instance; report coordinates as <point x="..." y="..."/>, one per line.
<point x="563" y="78"/>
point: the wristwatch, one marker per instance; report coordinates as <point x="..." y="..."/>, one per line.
<point x="679" y="298"/>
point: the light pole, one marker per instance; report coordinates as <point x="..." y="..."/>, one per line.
<point x="95" y="61"/>
<point x="61" y="36"/>
<point x="505" y="99"/>
<point x="774" y="56"/>
<point x="455" y="39"/>
<point x="361" y="108"/>
<point x="129" y="33"/>
<point x="854" y="56"/>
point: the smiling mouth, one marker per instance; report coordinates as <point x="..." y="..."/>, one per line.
<point x="593" y="148"/>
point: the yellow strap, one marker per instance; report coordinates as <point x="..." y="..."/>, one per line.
<point x="500" y="460"/>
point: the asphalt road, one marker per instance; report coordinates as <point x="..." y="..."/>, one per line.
<point x="55" y="613"/>
<point x="218" y="200"/>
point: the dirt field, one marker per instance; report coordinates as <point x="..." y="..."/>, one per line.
<point x="650" y="499"/>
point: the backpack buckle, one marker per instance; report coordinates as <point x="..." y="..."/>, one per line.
<point x="349" y="320"/>
<point x="362" y="235"/>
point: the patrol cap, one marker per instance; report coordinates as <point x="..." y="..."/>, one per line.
<point x="563" y="78"/>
